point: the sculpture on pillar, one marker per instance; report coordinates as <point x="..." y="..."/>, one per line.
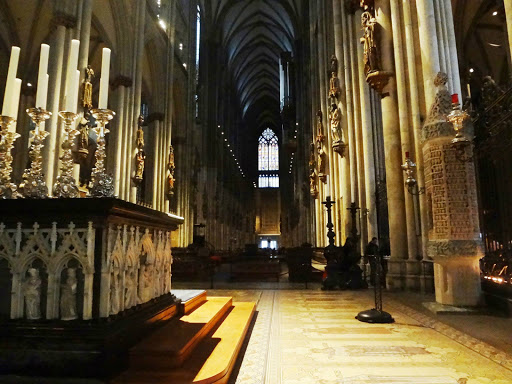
<point x="322" y="156"/>
<point x="334" y="82"/>
<point x="68" y="296"/>
<point x="87" y="88"/>
<point x="375" y="76"/>
<point x="170" y="173"/>
<point x="140" y="157"/>
<point x="313" y="188"/>
<point x="370" y="51"/>
<point x="32" y="293"/>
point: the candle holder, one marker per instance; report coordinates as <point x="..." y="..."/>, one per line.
<point x="65" y="186"/>
<point x="460" y="142"/>
<point x="8" y="189"/>
<point x="34" y="185"/>
<point x="102" y="183"/>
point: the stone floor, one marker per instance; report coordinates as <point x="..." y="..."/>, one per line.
<point x="311" y="336"/>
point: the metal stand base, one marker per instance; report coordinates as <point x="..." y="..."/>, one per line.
<point x="375" y="316"/>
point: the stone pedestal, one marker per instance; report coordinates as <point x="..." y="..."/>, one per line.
<point x="454" y="234"/>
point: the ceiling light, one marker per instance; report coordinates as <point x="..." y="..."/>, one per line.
<point x="162" y="24"/>
<point x="495" y="13"/>
<point x="471" y="70"/>
<point x="29" y="84"/>
<point x="185" y="65"/>
<point x="181" y="46"/>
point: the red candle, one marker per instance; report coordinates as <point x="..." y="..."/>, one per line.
<point x="406" y="155"/>
<point x="455" y="98"/>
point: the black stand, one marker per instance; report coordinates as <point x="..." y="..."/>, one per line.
<point x="376" y="315"/>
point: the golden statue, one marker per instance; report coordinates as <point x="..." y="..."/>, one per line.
<point x="87" y="95"/>
<point x="83" y="137"/>
<point x="140" y="157"/>
<point x="170" y="172"/>
<point x="371" y="57"/>
<point x="322" y="156"/>
<point x="313" y="189"/>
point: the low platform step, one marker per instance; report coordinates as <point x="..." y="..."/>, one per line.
<point x="190" y="299"/>
<point x="213" y="359"/>
<point x="170" y="346"/>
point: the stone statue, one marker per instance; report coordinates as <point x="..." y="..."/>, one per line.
<point x="335" y="117"/>
<point x="32" y="293"/>
<point x="371" y="57"/>
<point x="140" y="157"/>
<point x="87" y="96"/>
<point x="114" y="292"/>
<point x="334" y="82"/>
<point x="130" y="296"/>
<point x="68" y="296"/>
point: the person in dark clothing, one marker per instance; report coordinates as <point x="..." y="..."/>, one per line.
<point x="371" y="252"/>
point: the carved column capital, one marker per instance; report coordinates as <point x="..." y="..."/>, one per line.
<point x="155" y="116"/>
<point x="121" y="80"/>
<point x="64" y="19"/>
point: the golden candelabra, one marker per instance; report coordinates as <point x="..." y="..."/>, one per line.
<point x="65" y="186"/>
<point x="8" y="189"/>
<point x="34" y="185"/>
<point x="102" y="183"/>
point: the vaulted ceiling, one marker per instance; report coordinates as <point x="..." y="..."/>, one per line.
<point x="253" y="34"/>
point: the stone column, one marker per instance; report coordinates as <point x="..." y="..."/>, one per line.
<point x="429" y="47"/>
<point x="412" y="265"/>
<point x="132" y="125"/>
<point x="508" y="13"/>
<point x="121" y="85"/>
<point x="368" y="150"/>
<point x="392" y="151"/>
<point x="454" y="232"/>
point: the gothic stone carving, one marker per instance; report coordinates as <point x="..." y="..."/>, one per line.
<point x="54" y="248"/>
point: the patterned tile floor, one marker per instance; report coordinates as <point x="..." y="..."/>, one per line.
<point x="306" y="337"/>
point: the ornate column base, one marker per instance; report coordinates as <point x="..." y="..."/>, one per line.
<point x="457" y="271"/>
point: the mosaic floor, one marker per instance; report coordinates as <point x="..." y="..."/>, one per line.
<point x="303" y="337"/>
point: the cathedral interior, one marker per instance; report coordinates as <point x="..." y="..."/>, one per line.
<point x="256" y="191"/>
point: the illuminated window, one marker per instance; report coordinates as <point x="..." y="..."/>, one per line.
<point x="268" y="160"/>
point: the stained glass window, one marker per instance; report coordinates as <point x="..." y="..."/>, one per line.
<point x="268" y="159"/>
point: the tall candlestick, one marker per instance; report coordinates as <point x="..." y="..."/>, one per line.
<point x="11" y="78"/>
<point x="71" y="87"/>
<point x="15" y="103"/>
<point x="105" y="73"/>
<point x="328" y="187"/>
<point x="42" y="81"/>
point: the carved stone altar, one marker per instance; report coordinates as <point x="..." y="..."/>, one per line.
<point x="87" y="276"/>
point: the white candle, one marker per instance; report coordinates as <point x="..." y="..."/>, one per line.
<point x="75" y="94"/>
<point x="71" y="75"/>
<point x="45" y="94"/>
<point x="105" y="73"/>
<point x="11" y="79"/>
<point x="15" y="103"/>
<point x="328" y="187"/>
<point x="42" y="82"/>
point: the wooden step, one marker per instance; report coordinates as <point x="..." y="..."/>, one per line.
<point x="213" y="359"/>
<point x="190" y="299"/>
<point x="170" y="346"/>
